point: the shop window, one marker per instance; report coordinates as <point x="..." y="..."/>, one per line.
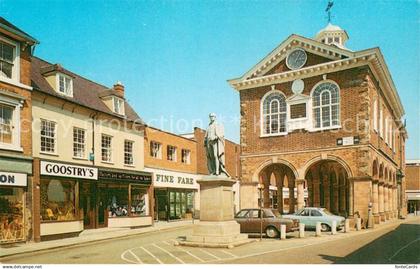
<point x="156" y="150"/>
<point x="79" y="140"/>
<point x="139" y="201"/>
<point x="48" y="136"/>
<point x="186" y="156"/>
<point x="6" y="124"/>
<point x="12" y="226"/>
<point x="171" y="153"/>
<point x="58" y="200"/>
<point x="118" y="200"/>
<point x="106" y="143"/>
<point x="128" y="152"/>
<point x="65" y="85"/>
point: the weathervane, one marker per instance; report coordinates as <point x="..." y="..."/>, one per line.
<point x="328" y="9"/>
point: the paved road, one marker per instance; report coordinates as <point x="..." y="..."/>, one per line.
<point x="391" y="243"/>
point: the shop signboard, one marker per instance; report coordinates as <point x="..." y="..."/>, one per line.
<point x="13" y="179"/>
<point x="142" y="178"/>
<point x="68" y="170"/>
<point x="171" y="179"/>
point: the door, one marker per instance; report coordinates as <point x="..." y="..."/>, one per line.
<point x="316" y="216"/>
<point x="161" y="200"/>
<point x="87" y="201"/>
<point x="101" y="207"/>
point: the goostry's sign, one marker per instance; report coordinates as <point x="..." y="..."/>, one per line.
<point x="67" y="170"/>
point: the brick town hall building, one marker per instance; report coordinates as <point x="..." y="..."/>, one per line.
<point x="319" y="118"/>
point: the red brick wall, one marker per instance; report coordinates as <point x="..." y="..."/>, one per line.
<point x="412" y="176"/>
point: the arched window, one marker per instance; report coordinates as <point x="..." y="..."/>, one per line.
<point x="274" y="113"/>
<point x="326" y="105"/>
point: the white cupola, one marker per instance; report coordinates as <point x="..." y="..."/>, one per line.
<point x="332" y="35"/>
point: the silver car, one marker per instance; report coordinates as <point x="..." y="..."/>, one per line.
<point x="311" y="215"/>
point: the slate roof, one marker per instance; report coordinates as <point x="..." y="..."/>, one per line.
<point x="85" y="92"/>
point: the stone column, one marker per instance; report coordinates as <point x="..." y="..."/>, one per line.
<point x="326" y="182"/>
<point x="300" y="193"/>
<point x="315" y="192"/>
<point x="375" y="201"/>
<point x="390" y="203"/>
<point x="280" y="199"/>
<point x="381" y="201"/>
<point x="386" y="202"/>
<point x="351" y="197"/>
<point x="395" y="201"/>
<point x="336" y="195"/>
<point x="292" y="201"/>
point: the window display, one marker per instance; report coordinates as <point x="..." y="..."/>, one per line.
<point x="58" y="200"/>
<point x="12" y="226"/>
<point x="117" y="200"/>
<point x="139" y="201"/>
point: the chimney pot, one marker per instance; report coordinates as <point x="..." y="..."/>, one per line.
<point x="119" y="87"/>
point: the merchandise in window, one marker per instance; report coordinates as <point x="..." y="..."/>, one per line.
<point x="6" y="127"/>
<point x="139" y="201"/>
<point x="117" y="201"/>
<point x="58" y="200"/>
<point x="12" y="226"/>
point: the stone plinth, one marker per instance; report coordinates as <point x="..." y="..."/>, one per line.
<point x="217" y="227"/>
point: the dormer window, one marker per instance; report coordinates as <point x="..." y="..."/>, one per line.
<point x="118" y="106"/>
<point x="65" y="85"/>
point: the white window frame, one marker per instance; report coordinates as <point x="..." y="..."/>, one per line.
<point x="54" y="137"/>
<point x="158" y="152"/>
<point x="83" y="145"/>
<point x="375" y="115"/>
<point x="381" y="122"/>
<point x="110" y="159"/>
<point x="386" y="131"/>
<point x="173" y="158"/>
<point x="188" y="156"/>
<point x="330" y="105"/>
<point x="120" y="109"/>
<point x="15" y="79"/>
<point x="127" y="152"/>
<point x="16" y="135"/>
<point x="70" y="79"/>
<point x="279" y="114"/>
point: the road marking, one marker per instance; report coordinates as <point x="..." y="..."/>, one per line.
<point x="148" y="252"/>
<point x="167" y="243"/>
<point x="228" y="253"/>
<point x="135" y="256"/>
<point x="192" y="255"/>
<point x="170" y="254"/>
<point x="405" y="246"/>
<point x="208" y="253"/>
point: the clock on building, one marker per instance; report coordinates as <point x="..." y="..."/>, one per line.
<point x="296" y="59"/>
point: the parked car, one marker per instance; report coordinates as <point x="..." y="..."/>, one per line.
<point x="250" y="222"/>
<point x="311" y="215"/>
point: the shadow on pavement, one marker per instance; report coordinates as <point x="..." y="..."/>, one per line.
<point x="400" y="246"/>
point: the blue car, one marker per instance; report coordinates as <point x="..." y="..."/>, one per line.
<point x="311" y="215"/>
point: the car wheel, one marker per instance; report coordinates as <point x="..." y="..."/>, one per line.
<point x="271" y="232"/>
<point x="325" y="227"/>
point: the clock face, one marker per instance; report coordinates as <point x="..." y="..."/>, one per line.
<point x="296" y="59"/>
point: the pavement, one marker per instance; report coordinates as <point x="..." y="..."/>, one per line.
<point x="396" y="241"/>
<point x="88" y="236"/>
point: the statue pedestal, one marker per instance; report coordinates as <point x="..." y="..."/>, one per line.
<point x="217" y="227"/>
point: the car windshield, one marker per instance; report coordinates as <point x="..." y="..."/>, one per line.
<point x="327" y="212"/>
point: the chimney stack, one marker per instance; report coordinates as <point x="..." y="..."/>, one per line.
<point x="119" y="88"/>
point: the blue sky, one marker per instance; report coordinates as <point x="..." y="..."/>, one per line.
<point x="175" y="56"/>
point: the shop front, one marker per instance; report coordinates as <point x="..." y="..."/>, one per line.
<point x="122" y="200"/>
<point x="60" y="213"/>
<point x="13" y="187"/>
<point x="176" y="195"/>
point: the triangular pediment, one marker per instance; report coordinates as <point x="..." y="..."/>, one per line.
<point x="298" y="97"/>
<point x="275" y="62"/>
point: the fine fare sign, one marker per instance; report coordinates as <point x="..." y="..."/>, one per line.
<point x="171" y="179"/>
<point x="141" y="178"/>
<point x="13" y="179"/>
<point x="67" y="170"/>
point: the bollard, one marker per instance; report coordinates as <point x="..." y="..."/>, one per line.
<point x="346" y="225"/>
<point x="358" y="224"/>
<point x="301" y="230"/>
<point x="334" y="227"/>
<point x="318" y="229"/>
<point x="282" y="231"/>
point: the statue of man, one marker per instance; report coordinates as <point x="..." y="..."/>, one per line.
<point x="214" y="141"/>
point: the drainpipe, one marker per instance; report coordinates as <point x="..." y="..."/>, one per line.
<point x="92" y="156"/>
